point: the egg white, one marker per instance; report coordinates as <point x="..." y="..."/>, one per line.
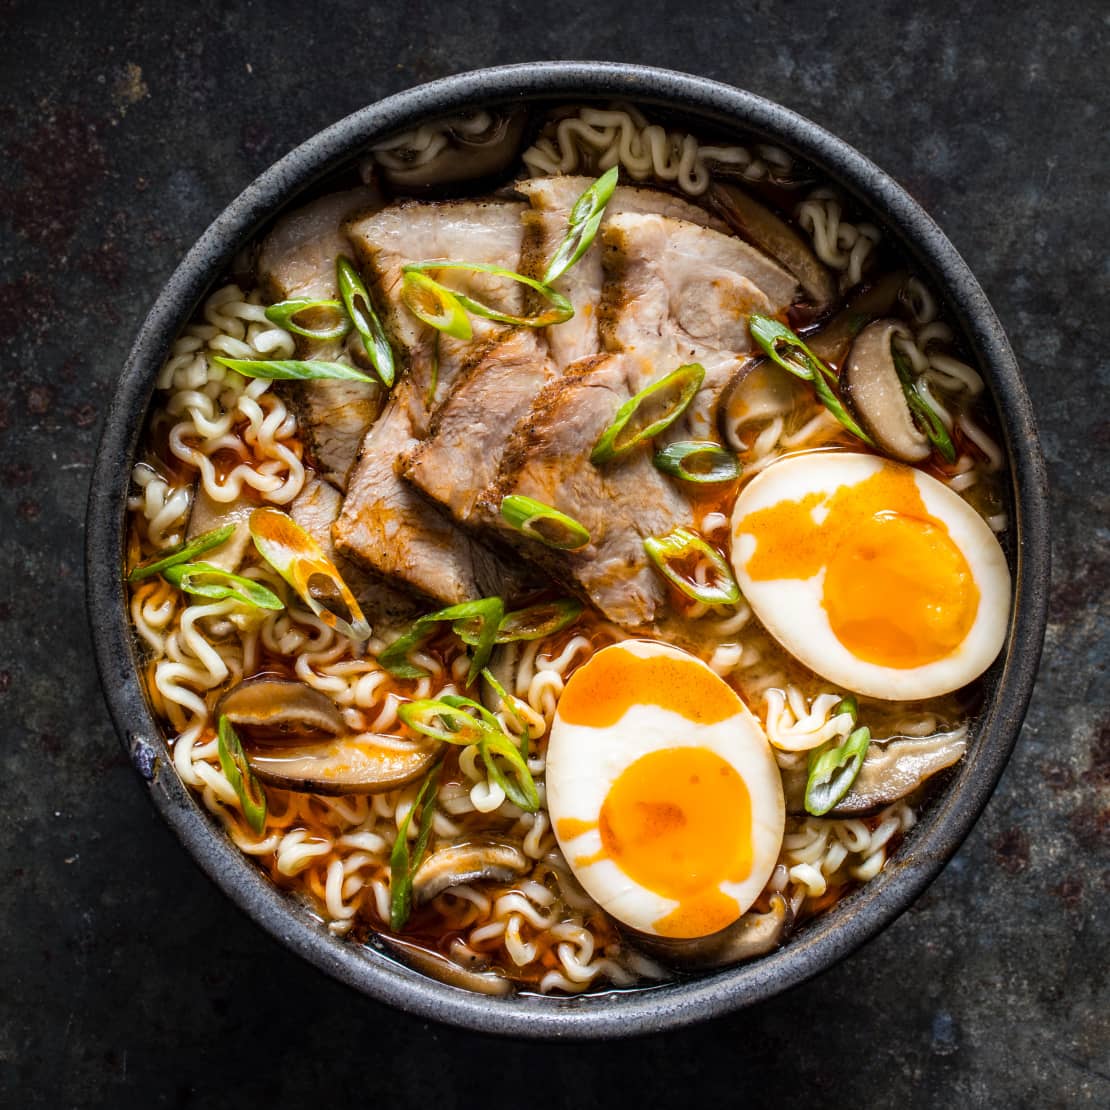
<point x="583" y="763"/>
<point x="793" y="612"/>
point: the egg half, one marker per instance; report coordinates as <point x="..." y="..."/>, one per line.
<point x="663" y="792"/>
<point x="873" y="574"/>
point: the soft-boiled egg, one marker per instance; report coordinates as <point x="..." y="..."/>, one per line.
<point x="873" y="574"/>
<point x="663" y="791"/>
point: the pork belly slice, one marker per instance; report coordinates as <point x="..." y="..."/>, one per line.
<point x="468" y="434"/>
<point x="620" y="503"/>
<point x="389" y="611"/>
<point x="545" y="225"/>
<point x="677" y="292"/>
<point x="297" y="259"/>
<point x="386" y="524"/>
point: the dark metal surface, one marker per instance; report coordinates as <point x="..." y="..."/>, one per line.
<point x="942" y="827"/>
<point x="127" y="978"/>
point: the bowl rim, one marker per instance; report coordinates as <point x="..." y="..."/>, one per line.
<point x="617" y="1013"/>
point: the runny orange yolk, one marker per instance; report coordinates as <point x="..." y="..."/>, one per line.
<point x="898" y="591"/>
<point x="679" y="822"/>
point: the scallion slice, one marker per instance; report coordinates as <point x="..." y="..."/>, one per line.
<point x="435" y="305"/>
<point x="237" y="771"/>
<point x="510" y="704"/>
<point x="561" y="309"/>
<point x="445" y="719"/>
<point x="699" y="461"/>
<point x="293" y="370"/>
<point x="360" y="308"/>
<point x="785" y="348"/>
<point x="486" y="613"/>
<point x="403" y="865"/>
<point x="926" y="417"/>
<point x="519" y="786"/>
<point x="832" y="770"/>
<point x="285" y="314"/>
<point x="616" y="441"/>
<point x="541" y="522"/>
<point x="182" y="553"/>
<point x="677" y="554"/>
<point x="208" y="580"/>
<point x="585" y="218"/>
<point x="532" y="623"/>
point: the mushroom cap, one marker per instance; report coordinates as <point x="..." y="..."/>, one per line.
<point x="892" y="769"/>
<point x="447" y="971"/>
<point x="276" y="709"/>
<point x="870" y="384"/>
<point x="363" y="764"/>
<point x="468" y="862"/>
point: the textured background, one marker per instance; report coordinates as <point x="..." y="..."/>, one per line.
<point x="127" y="979"/>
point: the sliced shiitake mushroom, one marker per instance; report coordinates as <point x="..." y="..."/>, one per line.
<point x="892" y="769"/>
<point x="869" y="382"/>
<point x="363" y="764"/>
<point x="469" y="862"/>
<point x="758" y="391"/>
<point x="274" y="710"/>
<point x="207" y="515"/>
<point x="753" y="934"/>
<point x="831" y="341"/>
<point x="447" y="971"/>
<point x="761" y="227"/>
<point x="464" y="155"/>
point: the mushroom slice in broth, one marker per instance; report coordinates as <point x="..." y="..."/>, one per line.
<point x="364" y="764"/>
<point x="277" y="709"/>
<point x="467" y="863"/>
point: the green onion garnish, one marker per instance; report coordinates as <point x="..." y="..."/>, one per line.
<point x="360" y="308"/>
<point x="292" y="370"/>
<point x="585" y="218"/>
<point x="833" y="769"/>
<point x="521" y="792"/>
<point x="927" y="418"/>
<point x="182" y="553"/>
<point x="402" y="865"/>
<point x="207" y="580"/>
<point x="285" y="314"/>
<point x="532" y="623"/>
<point x="541" y="522"/>
<point x="682" y="546"/>
<point x="486" y="612"/>
<point x="698" y="461"/>
<point x="444" y="719"/>
<point x="561" y="309"/>
<point x="784" y="347"/>
<point x="237" y="771"/>
<point x="509" y="702"/>
<point x="435" y="305"/>
<point x="615" y="443"/>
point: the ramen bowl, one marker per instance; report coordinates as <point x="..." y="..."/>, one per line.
<point x="944" y="823"/>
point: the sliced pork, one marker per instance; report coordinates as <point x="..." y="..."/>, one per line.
<point x="386" y="525"/>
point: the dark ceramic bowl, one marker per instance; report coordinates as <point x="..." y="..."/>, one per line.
<point x="945" y="823"/>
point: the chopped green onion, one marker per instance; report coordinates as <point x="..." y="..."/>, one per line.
<point x="293" y="370"/>
<point x="614" y="444"/>
<point x="509" y="702"/>
<point x="208" y="580"/>
<point x="833" y="769"/>
<point x="403" y="865"/>
<point x="541" y="522"/>
<point x="698" y="461"/>
<point x="585" y="218"/>
<point x="784" y="347"/>
<point x="927" y="418"/>
<point x="680" y="546"/>
<point x="298" y="557"/>
<point x="849" y="705"/>
<point x="561" y="309"/>
<point x="285" y="314"/>
<point x="532" y="623"/>
<point x="237" y="771"/>
<point x="454" y="726"/>
<point x="435" y="305"/>
<point x="182" y="553"/>
<point x="486" y="611"/>
<point x="360" y="308"/>
<point x="521" y="792"/>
